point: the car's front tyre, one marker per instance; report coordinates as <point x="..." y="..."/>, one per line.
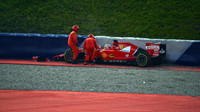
<point x="68" y="55"/>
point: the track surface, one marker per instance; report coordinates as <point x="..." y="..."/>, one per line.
<point x="116" y="83"/>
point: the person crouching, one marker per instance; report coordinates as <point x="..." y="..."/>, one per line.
<point x="90" y="45"/>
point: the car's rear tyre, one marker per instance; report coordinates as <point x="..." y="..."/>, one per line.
<point x="143" y="60"/>
<point x="68" y="55"/>
<point x="158" y="60"/>
<point x="98" y="60"/>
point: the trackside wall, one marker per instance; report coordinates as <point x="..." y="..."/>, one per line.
<point x="24" y="46"/>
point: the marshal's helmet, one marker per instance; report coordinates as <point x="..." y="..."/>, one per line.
<point x="90" y="36"/>
<point x="75" y="28"/>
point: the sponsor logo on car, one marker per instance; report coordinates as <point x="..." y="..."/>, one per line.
<point x="121" y="46"/>
<point x="153" y="47"/>
<point x="111" y="55"/>
<point x="127" y="55"/>
<point x="104" y="55"/>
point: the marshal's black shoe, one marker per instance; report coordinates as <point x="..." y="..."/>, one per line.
<point x="85" y="63"/>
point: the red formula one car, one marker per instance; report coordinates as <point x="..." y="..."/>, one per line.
<point x="124" y="52"/>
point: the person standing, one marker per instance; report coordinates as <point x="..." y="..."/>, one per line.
<point x="72" y="42"/>
<point x="90" y="45"/>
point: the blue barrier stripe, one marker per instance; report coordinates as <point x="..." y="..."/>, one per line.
<point x="191" y="56"/>
<point x="24" y="46"/>
<point x="37" y="35"/>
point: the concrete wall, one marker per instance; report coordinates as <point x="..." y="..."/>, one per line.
<point x="24" y="46"/>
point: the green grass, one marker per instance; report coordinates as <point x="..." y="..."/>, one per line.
<point x="166" y="19"/>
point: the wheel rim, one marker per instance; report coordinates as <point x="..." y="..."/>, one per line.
<point x="68" y="56"/>
<point x="142" y="60"/>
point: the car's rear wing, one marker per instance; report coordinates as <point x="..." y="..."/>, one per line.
<point x="156" y="49"/>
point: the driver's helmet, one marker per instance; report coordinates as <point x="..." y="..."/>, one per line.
<point x="107" y="46"/>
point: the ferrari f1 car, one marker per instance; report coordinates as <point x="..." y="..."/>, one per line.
<point x="124" y="52"/>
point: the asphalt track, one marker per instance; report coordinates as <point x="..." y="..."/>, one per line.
<point x="59" y="86"/>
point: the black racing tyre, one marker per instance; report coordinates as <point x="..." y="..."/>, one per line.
<point x="158" y="60"/>
<point x="143" y="60"/>
<point x="98" y="60"/>
<point x="68" y="55"/>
